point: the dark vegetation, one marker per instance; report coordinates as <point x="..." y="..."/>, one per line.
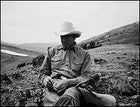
<point x="38" y="60"/>
<point x="21" y="87"/>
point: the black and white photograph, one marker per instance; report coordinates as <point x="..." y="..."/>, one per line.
<point x="69" y="53"/>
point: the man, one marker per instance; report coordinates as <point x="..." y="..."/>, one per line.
<point x="63" y="68"/>
<point x="66" y="66"/>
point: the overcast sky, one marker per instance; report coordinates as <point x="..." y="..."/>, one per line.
<point x="36" y="21"/>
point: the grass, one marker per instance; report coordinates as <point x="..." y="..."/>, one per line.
<point x="117" y="57"/>
<point x="119" y="69"/>
<point x="117" y="64"/>
<point x="10" y="62"/>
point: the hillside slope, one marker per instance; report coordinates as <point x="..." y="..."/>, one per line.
<point x="128" y="34"/>
<point x="37" y="47"/>
<point x="19" y="50"/>
<point x="9" y="61"/>
<point x="117" y="64"/>
<point x="119" y="68"/>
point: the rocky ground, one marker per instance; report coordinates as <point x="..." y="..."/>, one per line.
<point x="118" y="66"/>
<point x="119" y="69"/>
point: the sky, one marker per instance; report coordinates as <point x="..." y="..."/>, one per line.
<point x="37" y="21"/>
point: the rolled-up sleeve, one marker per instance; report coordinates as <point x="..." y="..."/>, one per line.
<point x="45" y="69"/>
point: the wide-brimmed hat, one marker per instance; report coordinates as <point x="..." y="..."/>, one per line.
<point x="68" y="28"/>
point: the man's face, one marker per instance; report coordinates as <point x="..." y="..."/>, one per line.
<point x="67" y="41"/>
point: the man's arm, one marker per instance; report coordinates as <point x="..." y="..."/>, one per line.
<point x="45" y="69"/>
<point x="85" y="75"/>
<point x="85" y="71"/>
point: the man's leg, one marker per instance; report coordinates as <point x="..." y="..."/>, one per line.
<point x="98" y="99"/>
<point x="71" y="97"/>
<point x="49" y="97"/>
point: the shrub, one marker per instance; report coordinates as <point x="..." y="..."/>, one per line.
<point x="17" y="76"/>
<point x="21" y="65"/>
<point x="38" y="60"/>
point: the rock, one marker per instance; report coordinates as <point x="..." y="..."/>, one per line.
<point x="21" y="65"/>
<point x="28" y="94"/>
<point x="136" y="98"/>
<point x="138" y="104"/>
<point x="17" y="76"/>
<point x="31" y="105"/>
<point x="124" y="88"/>
<point x="121" y="104"/>
<point x="99" y="61"/>
<point x="124" y="105"/>
<point x="132" y="67"/>
<point x="22" y="102"/>
<point x="6" y="79"/>
<point x="4" y="91"/>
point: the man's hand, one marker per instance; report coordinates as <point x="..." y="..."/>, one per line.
<point x="48" y="82"/>
<point x="61" y="85"/>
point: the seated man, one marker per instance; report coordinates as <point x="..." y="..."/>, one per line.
<point x="63" y="68"/>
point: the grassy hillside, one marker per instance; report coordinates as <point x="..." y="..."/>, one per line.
<point x="128" y="34"/>
<point x="9" y="61"/>
<point x="117" y="64"/>
<point x="119" y="68"/>
<point x="37" y="47"/>
<point x="114" y="58"/>
<point x="19" y="50"/>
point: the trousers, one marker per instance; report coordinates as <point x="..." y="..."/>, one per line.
<point x="71" y="97"/>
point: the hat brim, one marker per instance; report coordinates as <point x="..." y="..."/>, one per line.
<point x="65" y="33"/>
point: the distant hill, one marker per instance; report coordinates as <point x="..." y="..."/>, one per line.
<point x="128" y="34"/>
<point x="35" y="47"/>
<point x="38" y="47"/>
<point x="9" y="61"/>
<point x="6" y="43"/>
<point x="8" y="46"/>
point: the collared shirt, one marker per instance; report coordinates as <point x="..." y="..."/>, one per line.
<point x="72" y="63"/>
